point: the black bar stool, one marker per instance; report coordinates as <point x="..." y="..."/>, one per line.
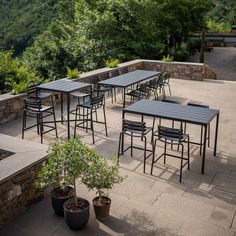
<point x="85" y="118"/>
<point x="134" y="129"/>
<point x="173" y="137"/>
<point x="34" y="108"/>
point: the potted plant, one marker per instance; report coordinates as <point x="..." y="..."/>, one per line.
<point x="76" y="209"/>
<point x="54" y="173"/>
<point x="101" y="176"/>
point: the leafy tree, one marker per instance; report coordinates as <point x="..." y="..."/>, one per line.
<point x="13" y="75"/>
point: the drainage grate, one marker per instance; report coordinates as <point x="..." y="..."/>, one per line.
<point x="4" y="154"/>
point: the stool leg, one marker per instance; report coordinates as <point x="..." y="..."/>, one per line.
<point x="41" y="126"/>
<point x="23" y="123"/>
<point x="145" y="154"/>
<point x="188" y="154"/>
<point x="153" y="154"/>
<point x="131" y="143"/>
<point x="91" y="116"/>
<point x="165" y="153"/>
<point x="105" y="121"/>
<point x="76" y="114"/>
<point x="181" y="163"/>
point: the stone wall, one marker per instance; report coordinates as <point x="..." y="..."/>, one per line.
<point x="181" y="70"/>
<point x="11" y="106"/>
<point x="18" y="193"/>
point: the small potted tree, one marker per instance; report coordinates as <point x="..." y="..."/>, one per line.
<point x="76" y="209"/>
<point x="101" y="176"/>
<point x="54" y="173"/>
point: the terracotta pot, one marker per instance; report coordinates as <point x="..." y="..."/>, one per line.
<point x="76" y="217"/>
<point x="58" y="200"/>
<point x="101" y="207"/>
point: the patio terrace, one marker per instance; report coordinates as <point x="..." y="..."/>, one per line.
<point x="158" y="204"/>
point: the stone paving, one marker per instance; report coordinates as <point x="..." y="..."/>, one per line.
<point x="222" y="60"/>
<point x="158" y="204"/>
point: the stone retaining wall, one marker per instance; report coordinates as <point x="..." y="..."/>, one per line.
<point x="11" y="106"/>
<point x="18" y="193"/>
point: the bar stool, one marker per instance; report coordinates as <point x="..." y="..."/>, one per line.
<point x="85" y="119"/>
<point x="208" y="128"/>
<point x="134" y="129"/>
<point x="32" y="92"/>
<point x="34" y="108"/>
<point x="173" y="137"/>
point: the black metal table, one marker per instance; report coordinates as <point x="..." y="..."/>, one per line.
<point x="128" y="79"/>
<point x="64" y="86"/>
<point x="178" y="112"/>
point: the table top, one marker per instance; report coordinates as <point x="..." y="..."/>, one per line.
<point x="63" y="85"/>
<point x="178" y="112"/>
<point x="130" y="78"/>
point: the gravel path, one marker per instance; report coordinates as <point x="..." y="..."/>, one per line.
<point x="222" y="60"/>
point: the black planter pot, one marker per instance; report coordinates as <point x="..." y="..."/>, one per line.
<point x="58" y="201"/>
<point x="76" y="218"/>
<point x="102" y="209"/>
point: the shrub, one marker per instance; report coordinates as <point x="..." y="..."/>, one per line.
<point x="112" y="63"/>
<point x="72" y="73"/>
<point x="167" y="58"/>
<point x="14" y="76"/>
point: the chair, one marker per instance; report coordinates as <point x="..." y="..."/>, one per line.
<point x="34" y="108"/>
<point x="208" y="128"/>
<point x="103" y="88"/>
<point x="174" y="137"/>
<point x="134" y="129"/>
<point x="32" y="92"/>
<point x="163" y="82"/>
<point x="153" y="85"/>
<point x="85" y="119"/>
<point x="141" y="91"/>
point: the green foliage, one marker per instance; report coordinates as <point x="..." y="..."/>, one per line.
<point x="14" y="76"/>
<point x="112" y="63"/>
<point x="82" y="36"/>
<point x="22" y="20"/>
<point x="67" y="160"/>
<point x="181" y="53"/>
<point x="223" y="11"/>
<point x="193" y="45"/>
<point x="218" y="27"/>
<point x="72" y="73"/>
<point x="167" y="58"/>
<point x="101" y="175"/>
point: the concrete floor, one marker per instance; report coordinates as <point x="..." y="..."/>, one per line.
<point x="158" y="204"/>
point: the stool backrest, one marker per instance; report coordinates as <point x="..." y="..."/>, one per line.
<point x="134" y="126"/>
<point x="166" y="132"/>
<point x="32" y="92"/>
<point x="97" y="101"/>
<point x="33" y="105"/>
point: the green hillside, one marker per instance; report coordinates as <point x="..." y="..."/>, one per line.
<point x="21" y="20"/>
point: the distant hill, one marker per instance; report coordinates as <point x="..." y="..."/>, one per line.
<point x="21" y="20"/>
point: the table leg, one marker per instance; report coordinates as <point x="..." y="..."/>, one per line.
<point x="124" y="98"/>
<point x="204" y="147"/>
<point x="61" y="108"/>
<point x="216" y="133"/>
<point x="68" y="115"/>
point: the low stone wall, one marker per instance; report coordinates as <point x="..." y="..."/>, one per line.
<point x="17" y="176"/>
<point x="18" y="194"/>
<point x="11" y="106"/>
<point x="181" y="70"/>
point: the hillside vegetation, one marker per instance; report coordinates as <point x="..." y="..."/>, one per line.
<point x="22" y="20"/>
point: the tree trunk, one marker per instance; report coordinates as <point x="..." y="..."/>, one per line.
<point x="202" y="47"/>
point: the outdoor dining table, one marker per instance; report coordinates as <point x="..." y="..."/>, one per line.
<point x="178" y="112"/>
<point x="128" y="79"/>
<point x="64" y="86"/>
